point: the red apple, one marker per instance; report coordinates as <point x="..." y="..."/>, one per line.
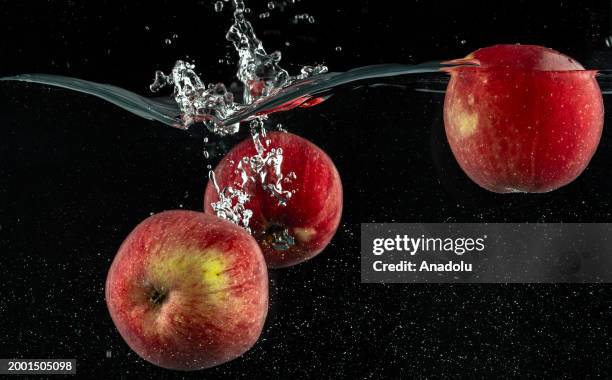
<point x="311" y="216"/>
<point x="188" y="290"/>
<point x="529" y="119"/>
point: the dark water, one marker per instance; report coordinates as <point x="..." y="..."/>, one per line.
<point x="78" y="174"/>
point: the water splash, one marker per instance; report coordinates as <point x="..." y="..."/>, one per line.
<point x="259" y="73"/>
<point x="198" y="102"/>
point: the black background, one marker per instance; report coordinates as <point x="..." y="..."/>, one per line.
<point x="77" y="174"/>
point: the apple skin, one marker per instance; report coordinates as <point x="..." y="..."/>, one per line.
<point x="188" y="291"/>
<point x="312" y="214"/>
<point x="529" y="119"/>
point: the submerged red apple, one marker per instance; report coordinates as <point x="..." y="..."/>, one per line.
<point x="528" y="119"/>
<point x="188" y="290"/>
<point x="312" y="214"/>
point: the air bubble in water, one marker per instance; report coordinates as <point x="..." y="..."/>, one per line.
<point x="218" y="6"/>
<point x="168" y="41"/>
<point x="338" y="48"/>
<point x="271" y="5"/>
<point x="303" y="17"/>
<point x="231" y="204"/>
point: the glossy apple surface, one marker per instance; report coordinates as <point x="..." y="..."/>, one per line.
<point x="311" y="215"/>
<point x="529" y="119"/>
<point x="188" y="290"/>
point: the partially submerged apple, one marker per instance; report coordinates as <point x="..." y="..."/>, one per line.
<point x="311" y="216"/>
<point x="528" y="119"/>
<point x="188" y="290"/>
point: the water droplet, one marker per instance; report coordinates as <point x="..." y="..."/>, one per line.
<point x="463" y="42"/>
<point x="311" y="19"/>
<point x="159" y="82"/>
<point x="218" y="6"/>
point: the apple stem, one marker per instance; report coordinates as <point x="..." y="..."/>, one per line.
<point x="279" y="237"/>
